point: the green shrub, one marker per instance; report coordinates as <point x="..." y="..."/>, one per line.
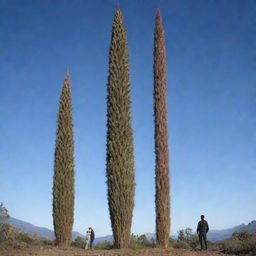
<point x="47" y="241"/>
<point x="79" y="242"/>
<point x="3" y="212"/>
<point x="24" y="237"/>
<point x="243" y="235"/>
<point x="181" y="245"/>
<point x="139" y="242"/>
<point x="143" y="240"/>
<point x="7" y="232"/>
<point x="10" y="236"/>
<point x="186" y="240"/>
<point x="105" y="245"/>
<point x="241" y="242"/>
<point x="133" y="244"/>
<point x="16" y="244"/>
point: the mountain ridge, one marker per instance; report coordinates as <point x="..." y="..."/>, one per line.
<point x="32" y="229"/>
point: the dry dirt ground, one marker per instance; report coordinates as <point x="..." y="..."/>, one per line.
<point x="53" y="251"/>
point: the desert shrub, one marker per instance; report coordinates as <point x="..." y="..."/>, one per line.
<point x="17" y="244"/>
<point x="7" y="232"/>
<point x="138" y="242"/>
<point x="181" y="235"/>
<point x="144" y="241"/>
<point x="24" y="237"/>
<point x="194" y="242"/>
<point x="105" y="245"/>
<point x="243" y="235"/>
<point x="13" y="237"/>
<point x="186" y="240"/>
<point x="3" y="212"/>
<point x="241" y="242"/>
<point x="134" y="242"/>
<point x="79" y="242"/>
<point x="181" y="245"/>
<point x="46" y="241"/>
<point x="36" y="240"/>
<point x="171" y="242"/>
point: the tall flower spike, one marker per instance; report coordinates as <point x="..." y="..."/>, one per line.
<point x="63" y="179"/>
<point x="162" y="180"/>
<point x="120" y="158"/>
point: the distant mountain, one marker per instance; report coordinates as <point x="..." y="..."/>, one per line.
<point x="251" y="227"/>
<point x="218" y="235"/>
<point x="108" y="238"/>
<point x="32" y="229"/>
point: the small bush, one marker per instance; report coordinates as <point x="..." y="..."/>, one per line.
<point x="47" y="241"/>
<point x="7" y="232"/>
<point x="194" y="242"/>
<point x="139" y="242"/>
<point x="181" y="245"/>
<point x="79" y="242"/>
<point x="10" y="236"/>
<point x="241" y="242"/>
<point x="24" y="237"/>
<point x="16" y="244"/>
<point x="187" y="240"/>
<point x="105" y="245"/>
<point x="242" y="235"/>
<point x="3" y="212"/>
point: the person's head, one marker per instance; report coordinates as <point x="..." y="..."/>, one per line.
<point x="90" y="228"/>
<point x="202" y="217"/>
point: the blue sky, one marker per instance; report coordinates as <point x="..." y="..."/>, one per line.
<point x="211" y="61"/>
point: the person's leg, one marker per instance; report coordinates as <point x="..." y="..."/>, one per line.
<point x="91" y="242"/>
<point x="205" y="241"/>
<point x="200" y="240"/>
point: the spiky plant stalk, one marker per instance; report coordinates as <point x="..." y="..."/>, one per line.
<point x="120" y="158"/>
<point x="63" y="179"/>
<point x="162" y="180"/>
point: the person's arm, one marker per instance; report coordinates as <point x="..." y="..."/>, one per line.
<point x="197" y="230"/>
<point x="207" y="227"/>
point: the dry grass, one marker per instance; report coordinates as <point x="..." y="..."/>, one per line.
<point x="71" y="251"/>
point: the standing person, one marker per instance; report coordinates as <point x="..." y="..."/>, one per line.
<point x="92" y="237"/>
<point x="87" y="240"/>
<point x="202" y="229"/>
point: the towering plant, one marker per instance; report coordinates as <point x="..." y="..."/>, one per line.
<point x="162" y="180"/>
<point x="120" y="158"/>
<point x="63" y="179"/>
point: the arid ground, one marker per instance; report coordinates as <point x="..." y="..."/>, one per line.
<point x="53" y="251"/>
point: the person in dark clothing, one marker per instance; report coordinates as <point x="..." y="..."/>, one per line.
<point x="92" y="237"/>
<point x="202" y="229"/>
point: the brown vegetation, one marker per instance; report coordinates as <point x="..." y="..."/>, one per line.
<point x="242" y="242"/>
<point x="162" y="179"/>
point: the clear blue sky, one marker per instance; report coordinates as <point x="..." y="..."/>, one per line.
<point x="211" y="58"/>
